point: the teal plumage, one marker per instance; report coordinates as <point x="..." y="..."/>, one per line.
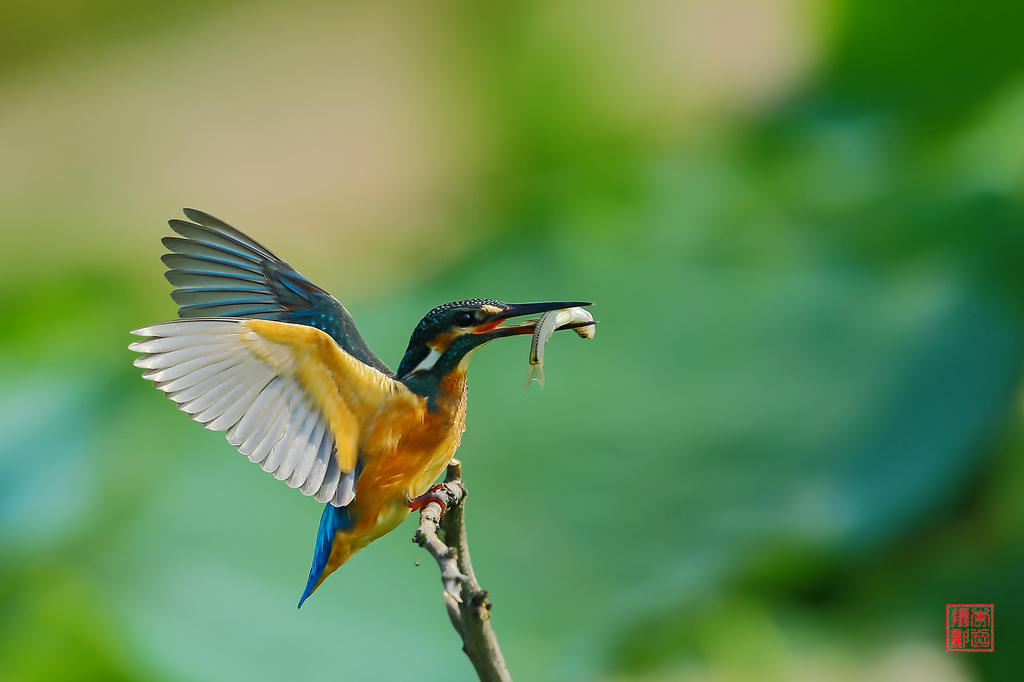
<point x="221" y="272"/>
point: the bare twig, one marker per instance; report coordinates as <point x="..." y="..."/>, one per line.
<point x="467" y="604"/>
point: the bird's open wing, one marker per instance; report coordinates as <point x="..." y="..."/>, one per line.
<point x="289" y="398"/>
<point x="221" y="272"/>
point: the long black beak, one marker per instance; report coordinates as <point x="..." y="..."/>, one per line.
<point x="492" y="329"/>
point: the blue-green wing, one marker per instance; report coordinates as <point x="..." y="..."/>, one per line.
<point x="220" y="272"/>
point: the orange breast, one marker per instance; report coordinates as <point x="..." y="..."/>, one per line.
<point x="405" y="449"/>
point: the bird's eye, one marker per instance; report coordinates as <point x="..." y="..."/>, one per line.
<point x="463" y="319"/>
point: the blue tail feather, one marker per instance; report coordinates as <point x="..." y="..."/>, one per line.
<point x="333" y="520"/>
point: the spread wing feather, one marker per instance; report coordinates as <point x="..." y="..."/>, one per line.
<point x="221" y="272"/>
<point x="262" y="383"/>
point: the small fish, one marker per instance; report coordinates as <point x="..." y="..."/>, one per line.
<point x="546" y="326"/>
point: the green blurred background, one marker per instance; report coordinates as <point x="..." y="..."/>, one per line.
<point x="796" y="437"/>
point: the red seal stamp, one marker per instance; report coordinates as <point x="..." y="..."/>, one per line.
<point x="970" y="627"/>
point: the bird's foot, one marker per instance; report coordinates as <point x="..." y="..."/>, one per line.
<point x="431" y="495"/>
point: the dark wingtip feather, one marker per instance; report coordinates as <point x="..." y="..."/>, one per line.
<point x="201" y="217"/>
<point x="218" y="259"/>
<point x="217" y="225"/>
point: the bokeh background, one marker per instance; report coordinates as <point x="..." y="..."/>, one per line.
<point x="797" y="435"/>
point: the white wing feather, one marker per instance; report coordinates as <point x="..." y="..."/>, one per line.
<point x="206" y="368"/>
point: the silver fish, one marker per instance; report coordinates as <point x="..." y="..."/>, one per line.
<point x="546" y="326"/>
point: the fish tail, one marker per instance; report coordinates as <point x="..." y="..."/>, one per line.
<point x="333" y="547"/>
<point x="534" y="372"/>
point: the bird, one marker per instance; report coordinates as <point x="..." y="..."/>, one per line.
<point x="276" y="362"/>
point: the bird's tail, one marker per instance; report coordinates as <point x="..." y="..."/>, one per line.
<point x="333" y="547"/>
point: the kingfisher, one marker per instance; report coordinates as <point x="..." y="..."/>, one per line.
<point x="276" y="362"/>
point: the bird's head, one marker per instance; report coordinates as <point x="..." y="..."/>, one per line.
<point x="447" y="336"/>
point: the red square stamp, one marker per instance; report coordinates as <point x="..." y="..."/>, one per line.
<point x="970" y="627"/>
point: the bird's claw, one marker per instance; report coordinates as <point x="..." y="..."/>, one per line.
<point x="418" y="503"/>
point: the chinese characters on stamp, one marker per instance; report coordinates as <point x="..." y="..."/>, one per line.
<point x="970" y="627"/>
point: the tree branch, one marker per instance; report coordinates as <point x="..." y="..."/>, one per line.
<point x="467" y="604"/>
